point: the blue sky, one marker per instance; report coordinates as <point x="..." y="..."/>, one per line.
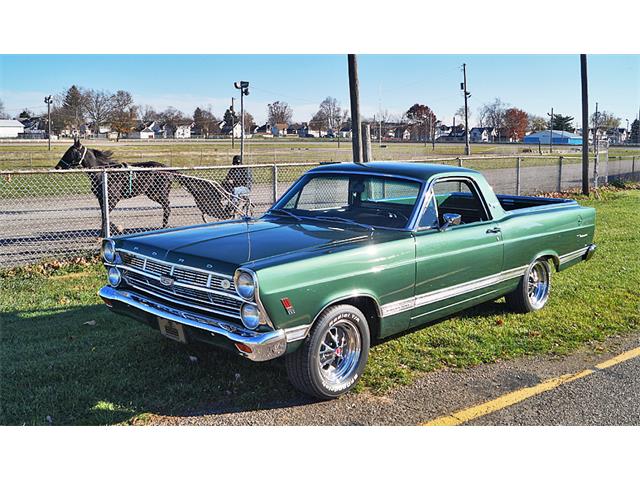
<point x="534" y="83"/>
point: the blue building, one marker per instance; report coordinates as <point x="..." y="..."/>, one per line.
<point x="558" y="137"/>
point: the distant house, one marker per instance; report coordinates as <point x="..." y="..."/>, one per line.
<point x="555" y="137"/>
<point x="143" y="131"/>
<point x="181" y="131"/>
<point x="234" y="130"/>
<point x="345" y="132"/>
<point x="617" y="135"/>
<point x="482" y="134"/>
<point x="10" y="128"/>
<point x="307" y="130"/>
<point x="279" y="130"/>
<point x="34" y="128"/>
<point x="442" y="130"/>
<point x="293" y="129"/>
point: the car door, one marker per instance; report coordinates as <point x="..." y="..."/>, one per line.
<point x="459" y="265"/>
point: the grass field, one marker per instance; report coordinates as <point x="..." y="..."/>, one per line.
<point x="64" y="359"/>
<point x="219" y="152"/>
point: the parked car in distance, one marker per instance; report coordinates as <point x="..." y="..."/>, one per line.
<point x="349" y="254"/>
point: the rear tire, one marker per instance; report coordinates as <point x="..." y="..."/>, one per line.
<point x="333" y="356"/>
<point x="533" y="288"/>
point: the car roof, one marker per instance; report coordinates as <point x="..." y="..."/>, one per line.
<point x="418" y="171"/>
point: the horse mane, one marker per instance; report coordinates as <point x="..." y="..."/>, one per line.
<point x="104" y="156"/>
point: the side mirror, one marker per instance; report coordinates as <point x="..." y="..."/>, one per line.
<point x="450" y="220"/>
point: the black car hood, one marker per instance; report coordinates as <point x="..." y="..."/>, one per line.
<point x="224" y="246"/>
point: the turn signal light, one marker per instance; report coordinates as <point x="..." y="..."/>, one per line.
<point x="243" y="348"/>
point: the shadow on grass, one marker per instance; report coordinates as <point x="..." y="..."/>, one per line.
<point x="54" y="364"/>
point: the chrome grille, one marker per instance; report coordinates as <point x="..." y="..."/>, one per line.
<point x="144" y="273"/>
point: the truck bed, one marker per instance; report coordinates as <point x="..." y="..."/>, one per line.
<point x="515" y="202"/>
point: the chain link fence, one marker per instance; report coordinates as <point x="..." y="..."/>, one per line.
<point x="56" y="214"/>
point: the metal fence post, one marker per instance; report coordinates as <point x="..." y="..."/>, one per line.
<point x="518" y="160"/>
<point x="560" y="159"/>
<point x="459" y="162"/>
<point x="275" y="183"/>
<point x="633" y="166"/>
<point x="106" y="224"/>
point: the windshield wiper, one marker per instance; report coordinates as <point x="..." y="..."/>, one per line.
<point x="286" y="212"/>
<point x="346" y="220"/>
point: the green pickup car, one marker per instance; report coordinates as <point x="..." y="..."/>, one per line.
<point x="351" y="253"/>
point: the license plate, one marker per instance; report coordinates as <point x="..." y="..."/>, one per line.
<point x="172" y="330"/>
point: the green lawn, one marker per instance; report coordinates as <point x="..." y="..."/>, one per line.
<point x="54" y="367"/>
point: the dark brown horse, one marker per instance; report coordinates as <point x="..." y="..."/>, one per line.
<point x="156" y="185"/>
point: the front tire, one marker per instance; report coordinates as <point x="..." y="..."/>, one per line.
<point x="332" y="358"/>
<point x="533" y="289"/>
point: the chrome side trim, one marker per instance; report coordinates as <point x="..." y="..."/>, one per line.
<point x="264" y="345"/>
<point x="567" y="257"/>
<point x="404" y="305"/>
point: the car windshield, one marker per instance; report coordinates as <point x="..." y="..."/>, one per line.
<point x="361" y="200"/>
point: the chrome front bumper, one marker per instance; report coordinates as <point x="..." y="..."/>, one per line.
<point x="262" y="345"/>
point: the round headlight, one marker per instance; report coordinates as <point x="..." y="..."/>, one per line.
<point x="245" y="286"/>
<point x="109" y="251"/>
<point x="250" y="316"/>
<point x="114" y="277"/>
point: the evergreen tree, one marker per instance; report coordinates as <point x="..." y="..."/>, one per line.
<point x="72" y="109"/>
<point x="562" y="122"/>
<point x="635" y="131"/>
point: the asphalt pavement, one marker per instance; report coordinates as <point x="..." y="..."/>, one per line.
<point x="606" y="396"/>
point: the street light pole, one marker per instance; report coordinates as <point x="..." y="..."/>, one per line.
<point x="233" y="113"/>
<point x="48" y="101"/>
<point x="551" y="131"/>
<point x="466" y="110"/>
<point x="243" y="86"/>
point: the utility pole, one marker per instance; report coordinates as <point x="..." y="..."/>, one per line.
<point x="585" y="125"/>
<point x="551" y="131"/>
<point x="354" y="92"/>
<point x="243" y="86"/>
<point x="595" y="148"/>
<point x="463" y="86"/>
<point x="233" y="116"/>
<point x="48" y="101"/>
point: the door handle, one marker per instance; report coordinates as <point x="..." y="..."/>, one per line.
<point x="494" y="230"/>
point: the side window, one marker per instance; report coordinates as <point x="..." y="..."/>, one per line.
<point x="429" y="217"/>
<point x="461" y="197"/>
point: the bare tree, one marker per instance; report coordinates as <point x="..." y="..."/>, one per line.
<point x="3" y="114"/>
<point x="537" y="123"/>
<point x="605" y="120"/>
<point x="124" y="113"/>
<point x="146" y="113"/>
<point x="493" y="114"/>
<point x="330" y="114"/>
<point x="279" y="112"/>
<point x="99" y="105"/>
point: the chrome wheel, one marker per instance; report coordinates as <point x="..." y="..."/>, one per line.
<point x="339" y="353"/>
<point x="538" y="285"/>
